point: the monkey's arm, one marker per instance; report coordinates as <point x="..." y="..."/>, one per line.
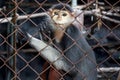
<point x="49" y="53"/>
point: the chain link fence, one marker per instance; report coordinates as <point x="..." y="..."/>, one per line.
<point x="98" y="21"/>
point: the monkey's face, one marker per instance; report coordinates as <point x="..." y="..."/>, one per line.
<point x="62" y="17"/>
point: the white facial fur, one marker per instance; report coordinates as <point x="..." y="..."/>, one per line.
<point x="62" y="17"/>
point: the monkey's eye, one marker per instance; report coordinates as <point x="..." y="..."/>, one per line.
<point x="64" y="14"/>
<point x="56" y="13"/>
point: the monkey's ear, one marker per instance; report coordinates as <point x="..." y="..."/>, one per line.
<point x="50" y="11"/>
<point x="73" y="13"/>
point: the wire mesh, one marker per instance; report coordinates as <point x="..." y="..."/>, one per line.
<point x="98" y="21"/>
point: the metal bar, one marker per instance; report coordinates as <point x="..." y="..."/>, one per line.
<point x="74" y="3"/>
<point x="14" y="19"/>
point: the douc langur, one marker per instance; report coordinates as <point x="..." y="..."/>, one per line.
<point x="67" y="50"/>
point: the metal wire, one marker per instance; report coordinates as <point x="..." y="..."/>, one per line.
<point x="18" y="57"/>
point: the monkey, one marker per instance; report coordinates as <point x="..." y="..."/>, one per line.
<point x="66" y="38"/>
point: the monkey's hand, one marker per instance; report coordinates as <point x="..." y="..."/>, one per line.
<point x="45" y="31"/>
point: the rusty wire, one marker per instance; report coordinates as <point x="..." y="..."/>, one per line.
<point x="10" y="49"/>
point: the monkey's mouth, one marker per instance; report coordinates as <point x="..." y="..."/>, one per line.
<point x="59" y="22"/>
<point x="60" y="25"/>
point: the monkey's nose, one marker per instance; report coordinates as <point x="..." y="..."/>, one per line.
<point x="59" y="18"/>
